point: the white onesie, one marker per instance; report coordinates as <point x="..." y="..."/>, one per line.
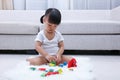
<point x="50" y="46"/>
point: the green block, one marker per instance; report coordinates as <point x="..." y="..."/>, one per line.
<point x="43" y="74"/>
<point x="53" y="62"/>
<point x="33" y="68"/>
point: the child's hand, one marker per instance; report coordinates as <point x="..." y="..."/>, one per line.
<point x="59" y="59"/>
<point x="50" y="58"/>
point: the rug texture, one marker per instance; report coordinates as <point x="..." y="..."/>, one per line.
<point x="24" y="71"/>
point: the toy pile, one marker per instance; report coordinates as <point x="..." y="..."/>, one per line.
<point x="51" y="71"/>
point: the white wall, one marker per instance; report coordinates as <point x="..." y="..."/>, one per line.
<point x="19" y="4"/>
<point x="59" y="4"/>
<point x="99" y="5"/>
<point x="115" y="3"/>
<point x="66" y="4"/>
<point x="36" y="4"/>
<point x="94" y="4"/>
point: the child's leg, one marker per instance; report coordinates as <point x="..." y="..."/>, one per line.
<point x="37" y="60"/>
<point x="66" y="58"/>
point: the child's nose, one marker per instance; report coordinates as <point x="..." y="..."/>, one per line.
<point x="52" y="27"/>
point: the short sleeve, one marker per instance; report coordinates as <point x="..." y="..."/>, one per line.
<point x="60" y="37"/>
<point x="39" y="37"/>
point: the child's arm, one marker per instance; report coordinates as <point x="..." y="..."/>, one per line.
<point x="40" y="50"/>
<point x="60" y="51"/>
<point x="61" y="48"/>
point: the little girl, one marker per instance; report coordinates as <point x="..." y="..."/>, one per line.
<point x="49" y="42"/>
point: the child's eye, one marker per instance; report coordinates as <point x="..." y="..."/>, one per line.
<point x="49" y="25"/>
<point x="52" y="25"/>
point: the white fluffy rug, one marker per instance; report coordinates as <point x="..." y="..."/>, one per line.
<point x="22" y="71"/>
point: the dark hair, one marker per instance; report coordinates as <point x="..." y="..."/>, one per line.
<point x="54" y="16"/>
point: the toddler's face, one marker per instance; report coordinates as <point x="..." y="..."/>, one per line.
<point x="49" y="27"/>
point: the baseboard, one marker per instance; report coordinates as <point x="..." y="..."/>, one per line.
<point x="31" y="52"/>
<point x="92" y="52"/>
<point x="66" y="52"/>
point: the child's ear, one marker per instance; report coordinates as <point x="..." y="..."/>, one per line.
<point x="44" y="19"/>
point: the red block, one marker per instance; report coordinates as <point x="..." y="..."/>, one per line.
<point x="42" y="69"/>
<point x="72" y="63"/>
